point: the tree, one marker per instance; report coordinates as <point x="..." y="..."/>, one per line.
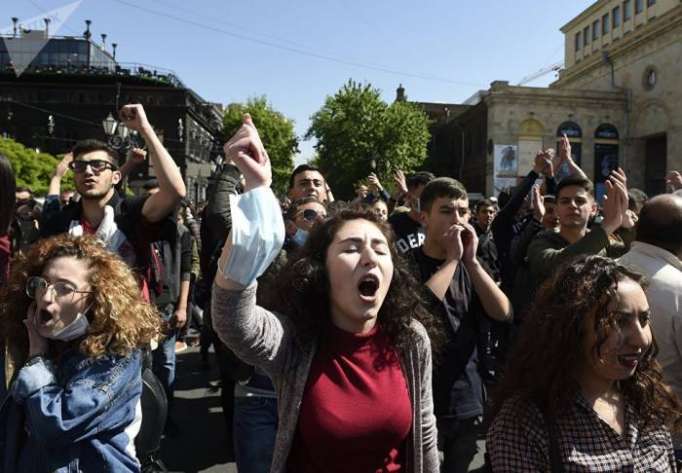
<point x="31" y="169"/>
<point x="357" y="133"/>
<point x="276" y="131"/>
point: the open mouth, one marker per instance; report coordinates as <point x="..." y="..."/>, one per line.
<point x="629" y="361"/>
<point x="368" y="287"/>
<point x="45" y="317"/>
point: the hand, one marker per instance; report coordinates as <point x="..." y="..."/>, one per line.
<point x="246" y="149"/>
<point x="537" y="204"/>
<point x="674" y="180"/>
<point x="138" y="155"/>
<point x="63" y="165"/>
<point x="470" y="242"/>
<point x="328" y="190"/>
<point x="564" y="149"/>
<point x="550" y="170"/>
<point x="454" y="248"/>
<point x="400" y="182"/>
<point x="374" y="182"/>
<point x="180" y="317"/>
<point x="629" y="219"/>
<point x="134" y="117"/>
<point x="37" y="344"/>
<point x="540" y="162"/>
<point x="615" y="204"/>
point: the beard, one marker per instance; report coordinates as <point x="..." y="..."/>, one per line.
<point x="94" y="194"/>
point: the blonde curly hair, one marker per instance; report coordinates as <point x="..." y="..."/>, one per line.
<point x="120" y="320"/>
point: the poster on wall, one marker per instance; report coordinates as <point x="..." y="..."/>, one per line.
<point x="506" y="166"/>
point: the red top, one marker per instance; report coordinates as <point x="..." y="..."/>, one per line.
<point x="356" y="413"/>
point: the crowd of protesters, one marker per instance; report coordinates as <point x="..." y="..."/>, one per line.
<point x="412" y="331"/>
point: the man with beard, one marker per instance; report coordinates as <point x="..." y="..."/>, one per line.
<point x="125" y="226"/>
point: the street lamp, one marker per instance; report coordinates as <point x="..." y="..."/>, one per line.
<point x="119" y="136"/>
<point x="50" y="125"/>
<point x="109" y="124"/>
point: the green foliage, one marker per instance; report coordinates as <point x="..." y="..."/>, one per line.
<point x="276" y="131"/>
<point x="31" y="169"/>
<point x="355" y="127"/>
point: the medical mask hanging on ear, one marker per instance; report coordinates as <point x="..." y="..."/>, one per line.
<point x="77" y="328"/>
<point x="300" y="237"/>
<point x="257" y="234"/>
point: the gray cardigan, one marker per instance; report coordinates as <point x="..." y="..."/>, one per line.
<point x="266" y="339"/>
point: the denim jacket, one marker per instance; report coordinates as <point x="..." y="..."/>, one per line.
<point x="80" y="415"/>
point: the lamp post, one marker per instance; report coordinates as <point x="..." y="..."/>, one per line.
<point x="119" y="136"/>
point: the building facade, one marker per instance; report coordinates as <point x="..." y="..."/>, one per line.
<point x="72" y="86"/>
<point x="617" y="99"/>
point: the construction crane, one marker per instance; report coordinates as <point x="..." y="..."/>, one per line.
<point x="545" y="70"/>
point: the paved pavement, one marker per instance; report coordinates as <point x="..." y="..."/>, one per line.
<point x="200" y="445"/>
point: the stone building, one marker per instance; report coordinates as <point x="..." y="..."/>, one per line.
<point x="617" y="99"/>
<point x="68" y="86"/>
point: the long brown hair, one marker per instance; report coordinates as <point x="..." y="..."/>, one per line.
<point x="120" y="320"/>
<point x="303" y="287"/>
<point x="542" y="368"/>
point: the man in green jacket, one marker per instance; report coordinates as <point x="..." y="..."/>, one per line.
<point x="575" y="207"/>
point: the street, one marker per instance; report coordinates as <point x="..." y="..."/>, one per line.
<point x="199" y="445"/>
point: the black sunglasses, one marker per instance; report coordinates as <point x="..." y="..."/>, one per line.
<point x="311" y="215"/>
<point x="97" y="165"/>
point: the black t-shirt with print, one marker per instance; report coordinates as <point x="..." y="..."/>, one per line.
<point x="457" y="386"/>
<point x="409" y="233"/>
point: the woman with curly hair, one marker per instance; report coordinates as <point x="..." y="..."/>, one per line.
<point x="349" y="361"/>
<point x="72" y="326"/>
<point x="583" y="391"/>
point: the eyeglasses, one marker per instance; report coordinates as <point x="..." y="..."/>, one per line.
<point x="37" y="286"/>
<point x="97" y="165"/>
<point x="312" y="215"/>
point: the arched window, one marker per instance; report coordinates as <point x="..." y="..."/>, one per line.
<point x="575" y="136"/>
<point x="606" y="150"/>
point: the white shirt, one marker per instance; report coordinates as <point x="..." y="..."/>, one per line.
<point x="664" y="272"/>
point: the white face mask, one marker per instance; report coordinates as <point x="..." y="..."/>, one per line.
<point x="75" y="329"/>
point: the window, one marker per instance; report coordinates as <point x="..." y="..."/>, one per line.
<point x="604" y="24"/>
<point x="639" y="6"/>
<point x="586" y="36"/>
<point x="627" y="10"/>
<point x="577" y="41"/>
<point x="595" y="30"/>
<point x="615" y="17"/>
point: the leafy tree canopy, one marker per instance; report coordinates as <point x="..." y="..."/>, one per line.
<point x="276" y="131"/>
<point x="32" y="169"/>
<point x="357" y="133"/>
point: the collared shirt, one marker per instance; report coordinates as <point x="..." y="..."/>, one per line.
<point x="518" y="441"/>
<point x="664" y="294"/>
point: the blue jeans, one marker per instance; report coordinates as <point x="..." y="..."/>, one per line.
<point x="163" y="358"/>
<point x="255" y="427"/>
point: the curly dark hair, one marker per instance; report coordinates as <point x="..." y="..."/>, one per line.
<point x="303" y="288"/>
<point x="542" y="368"/>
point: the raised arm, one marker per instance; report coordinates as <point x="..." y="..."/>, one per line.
<point x="257" y="336"/>
<point x="171" y="186"/>
<point x="55" y="186"/>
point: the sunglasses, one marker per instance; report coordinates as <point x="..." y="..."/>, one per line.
<point x="312" y="215"/>
<point x="97" y="165"/>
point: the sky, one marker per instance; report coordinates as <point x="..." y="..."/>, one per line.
<point x="298" y="52"/>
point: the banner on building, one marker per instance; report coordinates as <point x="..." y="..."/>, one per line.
<point x="505" y="167"/>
